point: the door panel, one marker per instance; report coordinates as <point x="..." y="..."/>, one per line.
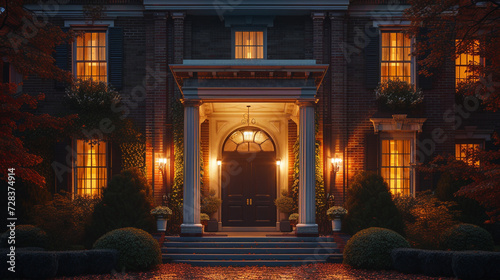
<point x="248" y="189"/>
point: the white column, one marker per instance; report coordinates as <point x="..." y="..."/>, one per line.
<point x="307" y="176"/>
<point x="191" y="211"/>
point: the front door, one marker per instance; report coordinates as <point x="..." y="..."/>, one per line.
<point x="248" y="184"/>
<point x="248" y="179"/>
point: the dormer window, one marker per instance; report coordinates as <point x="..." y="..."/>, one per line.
<point x="249" y="44"/>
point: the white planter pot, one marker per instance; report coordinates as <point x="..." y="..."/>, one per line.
<point x="336" y="224"/>
<point x="161" y="223"/>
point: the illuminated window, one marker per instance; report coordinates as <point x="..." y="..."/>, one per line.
<point x="463" y="61"/>
<point x="396" y="59"/>
<point x="249" y="45"/>
<point x="91" y="58"/>
<point x="91" y="167"/>
<point x="396" y="158"/>
<point x="464" y="152"/>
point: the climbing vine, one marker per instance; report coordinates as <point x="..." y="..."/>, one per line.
<point x="176" y="196"/>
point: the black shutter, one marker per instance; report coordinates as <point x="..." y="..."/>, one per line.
<point x="423" y="81"/>
<point x="372" y="60"/>
<point x="115" y="57"/>
<point x="372" y="146"/>
<point x="63" y="59"/>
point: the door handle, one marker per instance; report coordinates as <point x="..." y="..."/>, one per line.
<point x="250" y="201"/>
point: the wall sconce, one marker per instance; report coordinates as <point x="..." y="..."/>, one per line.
<point x="162" y="163"/>
<point x="278" y="162"/>
<point x="219" y="162"/>
<point x="336" y="164"/>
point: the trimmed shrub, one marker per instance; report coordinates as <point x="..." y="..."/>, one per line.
<point x="34" y="264"/>
<point x="138" y="250"/>
<point x="126" y="202"/>
<point x="436" y="263"/>
<point x="101" y="261"/>
<point x="406" y="260"/>
<point x="370" y="204"/>
<point x="464" y="237"/>
<point x="71" y="263"/>
<point x="371" y="248"/>
<point x="476" y="265"/>
<point x="27" y="236"/>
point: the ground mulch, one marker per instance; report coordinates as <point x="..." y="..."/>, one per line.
<point x="312" y="271"/>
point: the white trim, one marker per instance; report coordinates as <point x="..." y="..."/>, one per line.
<point x="88" y="24"/>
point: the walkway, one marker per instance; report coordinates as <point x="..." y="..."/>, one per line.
<point x="317" y="271"/>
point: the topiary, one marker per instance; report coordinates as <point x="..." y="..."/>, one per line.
<point x="210" y="204"/>
<point x="371" y="248"/>
<point x="463" y="237"/>
<point x="284" y="203"/>
<point x="26" y="236"/>
<point x="137" y="249"/>
<point x="370" y="204"/>
<point x="126" y="202"/>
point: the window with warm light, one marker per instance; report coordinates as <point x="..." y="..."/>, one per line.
<point x="464" y="153"/>
<point x="395" y="168"/>
<point x="396" y="62"/>
<point x="91" y="167"/>
<point x="91" y="58"/>
<point x="462" y="63"/>
<point x="249" y="45"/>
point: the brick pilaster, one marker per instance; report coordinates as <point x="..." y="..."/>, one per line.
<point x="157" y="101"/>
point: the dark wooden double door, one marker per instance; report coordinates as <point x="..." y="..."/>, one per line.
<point x="248" y="183"/>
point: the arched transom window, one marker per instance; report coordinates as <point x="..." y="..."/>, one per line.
<point x="249" y="140"/>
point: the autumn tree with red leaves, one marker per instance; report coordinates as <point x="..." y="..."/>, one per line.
<point x="448" y="28"/>
<point x="445" y="29"/>
<point x="27" y="43"/>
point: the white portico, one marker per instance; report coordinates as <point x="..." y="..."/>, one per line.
<point x="280" y="89"/>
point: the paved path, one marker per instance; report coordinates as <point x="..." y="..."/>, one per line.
<point x="318" y="271"/>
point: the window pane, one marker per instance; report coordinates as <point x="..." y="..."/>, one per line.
<point x="249" y="45"/>
<point x="91" y="167"/>
<point x="395" y="169"/>
<point x="396" y="59"/>
<point x="91" y="56"/>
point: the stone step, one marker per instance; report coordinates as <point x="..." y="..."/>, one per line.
<point x="247" y="262"/>
<point x="183" y="250"/>
<point x="237" y="257"/>
<point x="250" y="245"/>
<point x="247" y="239"/>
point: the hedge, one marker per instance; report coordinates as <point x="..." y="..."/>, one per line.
<point x="406" y="260"/>
<point x="46" y="264"/>
<point x="460" y="264"/>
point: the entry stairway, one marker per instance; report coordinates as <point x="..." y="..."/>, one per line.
<point x="246" y="251"/>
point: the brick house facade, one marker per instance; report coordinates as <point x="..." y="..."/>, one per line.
<point x="161" y="51"/>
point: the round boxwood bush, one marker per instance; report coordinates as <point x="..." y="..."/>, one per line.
<point x="137" y="249"/>
<point x="463" y="237"/>
<point x="27" y="236"/>
<point x="371" y="248"/>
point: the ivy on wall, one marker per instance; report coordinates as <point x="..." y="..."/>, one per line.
<point x="133" y="155"/>
<point x="176" y="196"/>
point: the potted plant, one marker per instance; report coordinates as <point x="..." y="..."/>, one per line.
<point x="204" y="218"/>
<point x="285" y="205"/>
<point x="210" y="205"/>
<point x="162" y="213"/>
<point x="294" y="218"/>
<point x="335" y="213"/>
<point x="399" y="97"/>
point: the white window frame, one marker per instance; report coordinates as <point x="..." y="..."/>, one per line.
<point x="390" y="135"/>
<point x="400" y="29"/>
<point x="75" y="166"/>
<point x="84" y="28"/>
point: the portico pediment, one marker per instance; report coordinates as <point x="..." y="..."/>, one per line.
<point x="249" y="80"/>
